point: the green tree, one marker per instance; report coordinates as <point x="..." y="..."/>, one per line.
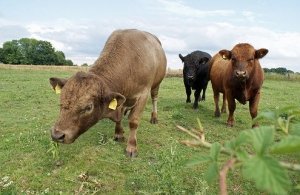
<point x="69" y="63"/>
<point x="44" y="53"/>
<point x="32" y="51"/>
<point x="266" y="70"/>
<point x="1" y="55"/>
<point x="27" y="47"/>
<point x="281" y="70"/>
<point x="60" y="58"/>
<point x="11" y="52"/>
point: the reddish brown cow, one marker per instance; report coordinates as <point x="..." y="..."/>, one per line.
<point x="130" y="67"/>
<point x="238" y="75"/>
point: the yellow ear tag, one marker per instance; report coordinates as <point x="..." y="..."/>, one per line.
<point x="57" y="89"/>
<point x="224" y="57"/>
<point x="113" y="104"/>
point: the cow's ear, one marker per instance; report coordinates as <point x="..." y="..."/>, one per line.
<point x="113" y="104"/>
<point x="57" y="83"/>
<point x="225" y="54"/>
<point x="181" y="57"/>
<point x="115" y="100"/>
<point x="204" y="60"/>
<point x="260" y="53"/>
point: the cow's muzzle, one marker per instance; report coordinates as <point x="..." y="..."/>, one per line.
<point x="57" y="136"/>
<point x="241" y="75"/>
<point x="190" y="79"/>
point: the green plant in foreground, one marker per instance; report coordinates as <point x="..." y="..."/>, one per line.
<point x="255" y="151"/>
<point x="54" y="150"/>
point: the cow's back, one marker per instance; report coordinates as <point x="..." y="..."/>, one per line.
<point x="131" y="62"/>
<point x="218" y="68"/>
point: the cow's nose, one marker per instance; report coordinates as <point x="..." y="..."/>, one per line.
<point x="58" y="136"/>
<point x="239" y="73"/>
<point x="190" y="77"/>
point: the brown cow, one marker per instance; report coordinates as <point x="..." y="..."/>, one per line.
<point x="238" y="75"/>
<point x="130" y="67"/>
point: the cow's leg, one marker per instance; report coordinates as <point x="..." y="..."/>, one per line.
<point x="216" y="99"/>
<point x="134" y="118"/>
<point x="231" y="108"/>
<point x="253" y="105"/>
<point x="154" y="97"/>
<point x="119" y="132"/>
<point x="197" y="96"/>
<point x="203" y="93"/>
<point x="188" y="92"/>
<point x="223" y="109"/>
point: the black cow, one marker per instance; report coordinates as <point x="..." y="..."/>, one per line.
<point x="195" y="74"/>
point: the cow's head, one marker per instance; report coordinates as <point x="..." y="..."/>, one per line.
<point x="84" y="100"/>
<point x="191" y="66"/>
<point x="244" y="59"/>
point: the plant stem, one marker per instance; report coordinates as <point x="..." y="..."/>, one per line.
<point x="223" y="173"/>
<point x="294" y="167"/>
<point x="190" y="133"/>
<point x="200" y="142"/>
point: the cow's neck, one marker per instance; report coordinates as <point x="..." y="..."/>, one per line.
<point x="240" y="90"/>
<point x="109" y="78"/>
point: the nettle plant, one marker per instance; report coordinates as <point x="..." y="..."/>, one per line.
<point x="255" y="152"/>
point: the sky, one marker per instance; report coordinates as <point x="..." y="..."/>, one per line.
<point x="81" y="28"/>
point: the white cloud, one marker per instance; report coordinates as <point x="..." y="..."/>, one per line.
<point x="181" y="29"/>
<point x="81" y="59"/>
<point x="65" y="29"/>
<point x="179" y="8"/>
<point x="187" y="33"/>
<point x="40" y="29"/>
<point x="56" y="44"/>
<point x="284" y="48"/>
<point x="250" y="16"/>
<point x="171" y="44"/>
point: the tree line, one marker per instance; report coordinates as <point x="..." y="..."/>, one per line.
<point x="32" y="52"/>
<point x="279" y="70"/>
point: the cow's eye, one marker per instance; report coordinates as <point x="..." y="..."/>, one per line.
<point x="87" y="109"/>
<point x="234" y="62"/>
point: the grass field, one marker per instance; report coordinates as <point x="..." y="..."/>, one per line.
<point x="97" y="164"/>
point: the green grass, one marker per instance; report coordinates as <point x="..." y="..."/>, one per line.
<point x="97" y="164"/>
<point x="276" y="76"/>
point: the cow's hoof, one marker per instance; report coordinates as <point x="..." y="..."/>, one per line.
<point x="131" y="154"/>
<point x="230" y="124"/>
<point x="195" y="106"/>
<point x="119" y="138"/>
<point x="188" y="101"/>
<point x="153" y="121"/>
<point x="217" y="114"/>
<point x="255" y="126"/>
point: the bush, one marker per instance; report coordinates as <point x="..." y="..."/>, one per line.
<point x="255" y="152"/>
